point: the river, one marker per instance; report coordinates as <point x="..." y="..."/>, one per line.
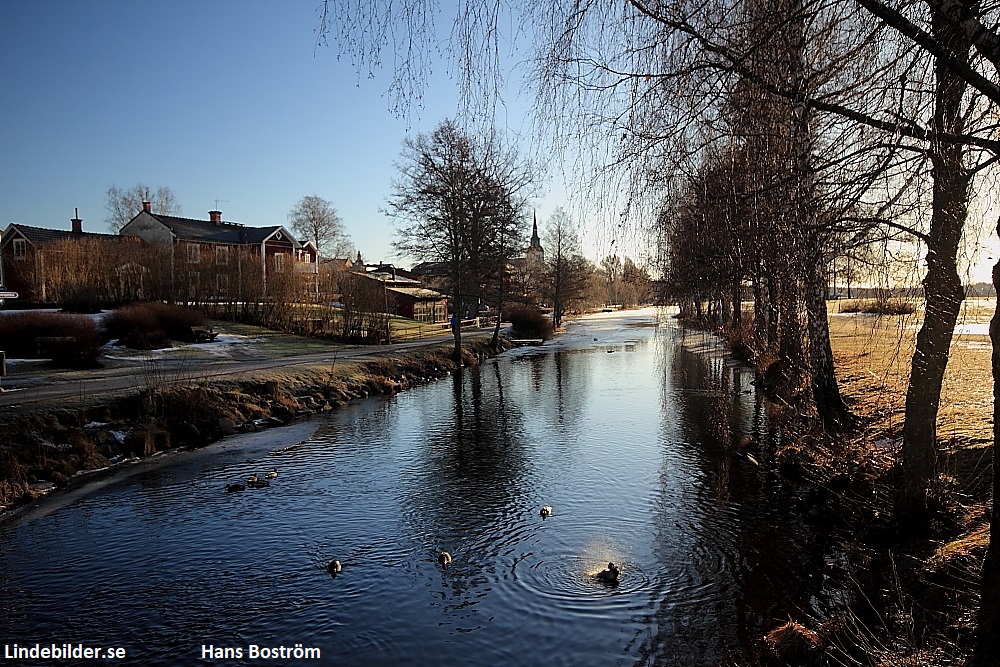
<point x="627" y="426"/>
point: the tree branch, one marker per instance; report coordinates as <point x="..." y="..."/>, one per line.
<point x="906" y="27"/>
<point x="737" y="65"/>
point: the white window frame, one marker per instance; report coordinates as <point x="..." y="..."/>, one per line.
<point x="19" y="247"/>
<point x="194" y="253"/>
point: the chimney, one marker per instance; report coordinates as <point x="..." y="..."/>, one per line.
<point x="147" y="206"/>
<point x="215" y="216"/>
<point x="77" y="222"/>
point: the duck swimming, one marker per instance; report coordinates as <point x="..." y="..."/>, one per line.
<point x="444" y="558"/>
<point x="235" y="487"/>
<point x="546" y="511"/>
<point x="272" y="474"/>
<point x="334" y="567"/>
<point x="253" y="479"/>
<point x="610" y="576"/>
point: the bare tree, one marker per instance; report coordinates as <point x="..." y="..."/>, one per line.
<point x="365" y="315"/>
<point x="456" y="202"/>
<point x="122" y="204"/>
<point x="315" y="219"/>
<point x="568" y="271"/>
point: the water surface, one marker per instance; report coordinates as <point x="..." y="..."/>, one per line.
<point x="629" y="430"/>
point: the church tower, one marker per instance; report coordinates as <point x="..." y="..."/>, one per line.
<point x="535" y="253"/>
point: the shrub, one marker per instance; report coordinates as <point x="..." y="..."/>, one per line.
<point x="12" y="493"/>
<point x="881" y="307"/>
<point x="82" y="303"/>
<point x="150" y="326"/>
<point x="73" y="340"/>
<point x="529" y="323"/>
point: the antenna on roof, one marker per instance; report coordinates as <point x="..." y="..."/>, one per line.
<point x="220" y="200"/>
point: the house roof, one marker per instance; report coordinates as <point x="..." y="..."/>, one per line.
<point x="190" y="229"/>
<point x="338" y="263"/>
<point x="40" y="236"/>
<point x="394" y="281"/>
<point x="431" y="269"/>
<point x="418" y="293"/>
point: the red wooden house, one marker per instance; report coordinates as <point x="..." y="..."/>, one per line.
<point x="217" y="259"/>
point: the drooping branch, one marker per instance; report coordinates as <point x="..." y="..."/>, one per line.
<point x="923" y="39"/>
<point x="736" y="63"/>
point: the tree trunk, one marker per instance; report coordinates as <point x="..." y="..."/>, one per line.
<point x="737" y="301"/>
<point x="501" y="297"/>
<point x="773" y="312"/>
<point x="760" y="316"/>
<point x="943" y="292"/>
<point x="987" y="653"/>
<point x="495" y="341"/>
<point x="790" y="330"/>
<point x="826" y="393"/>
<point x="458" y="307"/>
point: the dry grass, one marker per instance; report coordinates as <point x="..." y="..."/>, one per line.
<point x="971" y="546"/>
<point x="873" y="356"/>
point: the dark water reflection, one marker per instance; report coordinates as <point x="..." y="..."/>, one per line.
<point x="631" y="432"/>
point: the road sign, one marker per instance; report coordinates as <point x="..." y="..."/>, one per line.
<point x="8" y="295"/>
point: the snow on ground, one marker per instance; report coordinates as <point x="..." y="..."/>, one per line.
<point x="13" y="362"/>
<point x="978" y="329"/>
<point x="222" y="346"/>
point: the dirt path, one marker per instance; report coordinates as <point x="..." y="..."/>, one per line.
<point x="29" y="390"/>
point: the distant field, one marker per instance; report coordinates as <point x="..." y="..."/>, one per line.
<point x="873" y="356"/>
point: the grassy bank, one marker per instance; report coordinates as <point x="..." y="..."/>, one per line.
<point x="52" y="448"/>
<point x="914" y="591"/>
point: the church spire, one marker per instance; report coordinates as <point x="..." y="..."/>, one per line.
<point x="535" y="241"/>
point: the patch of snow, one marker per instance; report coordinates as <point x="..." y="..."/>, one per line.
<point x="14" y="362"/>
<point x="221" y="346"/>
<point x="889" y="443"/>
<point x="223" y="343"/>
<point x="978" y="329"/>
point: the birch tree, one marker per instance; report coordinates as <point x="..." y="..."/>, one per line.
<point x="315" y="219"/>
<point x="123" y="204"/>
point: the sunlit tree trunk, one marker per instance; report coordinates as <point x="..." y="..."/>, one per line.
<point x="987" y="652"/>
<point x="943" y="292"/>
<point x="826" y="392"/>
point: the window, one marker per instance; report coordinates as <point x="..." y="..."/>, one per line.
<point x="222" y="283"/>
<point x="279" y="261"/>
<point x="194" y="280"/>
<point x="20" y="247"/>
<point x="222" y="255"/>
<point x="194" y="253"/>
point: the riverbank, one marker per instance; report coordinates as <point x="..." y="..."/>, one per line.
<point x="914" y="589"/>
<point x="51" y="449"/>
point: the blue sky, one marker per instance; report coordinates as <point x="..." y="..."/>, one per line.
<point x="228" y="101"/>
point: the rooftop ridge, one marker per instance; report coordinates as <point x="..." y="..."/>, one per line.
<point x="207" y="222"/>
<point x="20" y="225"/>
